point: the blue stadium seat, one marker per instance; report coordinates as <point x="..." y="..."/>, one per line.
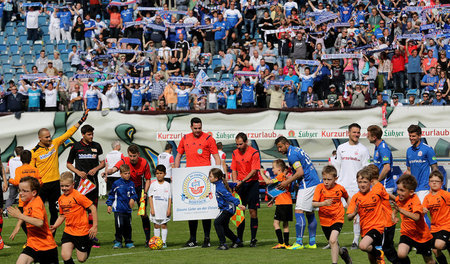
<point x="21" y="24"/>
<point x="42" y="20"/>
<point x="46" y="38"/>
<point x="19" y="72"/>
<point x="62" y="45"/>
<point x="7" y="66"/>
<point x="30" y="66"/>
<point x="21" y="30"/>
<point x="2" y="46"/>
<point x="214" y="77"/>
<point x="71" y="43"/>
<point x="11" y="39"/>
<point x="7" y="76"/>
<point x="2" y="37"/>
<point x="4" y="58"/>
<point x="50" y="56"/>
<point x="66" y="66"/>
<point x="16" y="60"/>
<point x="37" y="48"/>
<point x="386" y="97"/>
<point x="25" y="48"/>
<point x="23" y="38"/>
<point x="209" y="71"/>
<point x="64" y="56"/>
<point x="28" y="57"/>
<point x="9" y="30"/>
<point x="44" y="30"/>
<point x="49" y="48"/>
<point x="14" y="48"/>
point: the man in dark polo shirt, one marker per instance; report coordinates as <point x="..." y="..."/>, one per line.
<point x="88" y="157"/>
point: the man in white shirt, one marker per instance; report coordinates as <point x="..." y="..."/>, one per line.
<point x="166" y="159"/>
<point x="110" y="161"/>
<point x="32" y="23"/>
<point x="13" y="164"/>
<point x="351" y="157"/>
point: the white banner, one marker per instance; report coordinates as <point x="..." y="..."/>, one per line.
<point x="302" y="134"/>
<point x="194" y="197"/>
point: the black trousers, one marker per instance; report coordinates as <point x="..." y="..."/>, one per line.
<point x="122" y="221"/>
<point x="51" y="191"/>
<point x="222" y="228"/>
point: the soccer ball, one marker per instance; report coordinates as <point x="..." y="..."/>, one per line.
<point x="155" y="243"/>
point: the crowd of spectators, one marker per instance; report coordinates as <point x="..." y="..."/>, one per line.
<point x="142" y="55"/>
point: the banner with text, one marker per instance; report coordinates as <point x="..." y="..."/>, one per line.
<point x="194" y="196"/>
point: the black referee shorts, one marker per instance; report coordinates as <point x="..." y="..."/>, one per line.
<point x="249" y="193"/>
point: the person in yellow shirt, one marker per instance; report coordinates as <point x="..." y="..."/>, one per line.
<point x="45" y="158"/>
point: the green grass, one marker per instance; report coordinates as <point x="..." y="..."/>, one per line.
<point x="179" y="233"/>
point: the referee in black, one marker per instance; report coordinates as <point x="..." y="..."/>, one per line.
<point x="88" y="157"/>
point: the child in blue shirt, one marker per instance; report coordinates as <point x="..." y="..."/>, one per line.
<point x="227" y="206"/>
<point x="121" y="200"/>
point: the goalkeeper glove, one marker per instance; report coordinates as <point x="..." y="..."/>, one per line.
<point x="84" y="117"/>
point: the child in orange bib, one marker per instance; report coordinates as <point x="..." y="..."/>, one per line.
<point x="73" y="210"/>
<point x="328" y="197"/>
<point x="283" y="202"/>
<point x="437" y="203"/>
<point x="41" y="246"/>
<point x="414" y="231"/>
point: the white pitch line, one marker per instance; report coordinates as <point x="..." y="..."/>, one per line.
<point x="187" y="248"/>
<point x="177" y="249"/>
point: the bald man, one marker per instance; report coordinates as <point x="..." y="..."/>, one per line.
<point x="45" y="158"/>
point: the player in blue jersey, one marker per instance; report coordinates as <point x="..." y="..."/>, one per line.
<point x="382" y="157"/>
<point x="419" y="158"/>
<point x="307" y="178"/>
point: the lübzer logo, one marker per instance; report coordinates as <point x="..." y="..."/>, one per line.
<point x="196" y="189"/>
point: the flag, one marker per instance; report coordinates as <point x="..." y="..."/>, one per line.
<point x="239" y="216"/>
<point x="141" y="210"/>
<point x="85" y="186"/>
<point x="201" y="78"/>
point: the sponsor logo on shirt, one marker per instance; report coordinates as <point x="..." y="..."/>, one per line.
<point x="47" y="155"/>
<point x="87" y="156"/>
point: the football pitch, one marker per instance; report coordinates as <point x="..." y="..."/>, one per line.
<point x="178" y="234"/>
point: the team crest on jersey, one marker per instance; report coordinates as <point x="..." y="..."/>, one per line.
<point x="200" y="151"/>
<point x="356" y="153"/>
<point x="196" y="189"/>
<point x="419" y="154"/>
